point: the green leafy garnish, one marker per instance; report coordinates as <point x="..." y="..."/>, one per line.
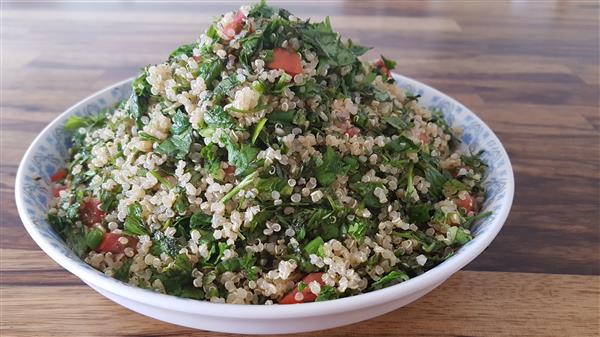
<point x="133" y="223"/>
<point x="389" y="279"/>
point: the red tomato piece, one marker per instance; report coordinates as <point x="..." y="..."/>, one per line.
<point x="56" y="190"/>
<point x="110" y="243"/>
<point x="234" y="27"/>
<point x="229" y="170"/>
<point x="424" y="138"/>
<point x="307" y="295"/>
<point x="288" y="61"/>
<point x="467" y="203"/>
<point x="379" y="64"/>
<point x="58" y="175"/>
<point x="351" y="132"/>
<point x="90" y="212"/>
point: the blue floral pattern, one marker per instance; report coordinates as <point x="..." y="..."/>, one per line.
<point x="49" y="153"/>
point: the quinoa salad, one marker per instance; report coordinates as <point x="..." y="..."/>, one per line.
<point x="266" y="163"/>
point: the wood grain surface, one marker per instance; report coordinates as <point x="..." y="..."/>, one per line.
<point x="530" y="69"/>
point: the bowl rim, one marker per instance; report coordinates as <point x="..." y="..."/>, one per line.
<point x="429" y="279"/>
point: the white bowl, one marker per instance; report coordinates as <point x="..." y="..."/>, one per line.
<point x="49" y="151"/>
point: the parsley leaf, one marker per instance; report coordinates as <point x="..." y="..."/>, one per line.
<point x="391" y="278"/>
<point x="200" y="220"/>
<point x="122" y="274"/>
<point x="366" y="192"/>
<point x="177" y="146"/>
<point x="180" y="123"/>
<point x="358" y="228"/>
<point x="331" y="165"/>
<point x="186" y="49"/>
<point x="327" y="293"/>
<point x="217" y="117"/>
<point x="419" y="213"/>
<point x="133" y="223"/>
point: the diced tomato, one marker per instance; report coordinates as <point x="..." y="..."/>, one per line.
<point x="424" y="138"/>
<point x="59" y="175"/>
<point x="56" y="190"/>
<point x="90" y="212"/>
<point x="308" y="296"/>
<point x="229" y="170"/>
<point x="110" y="243"/>
<point x="351" y="132"/>
<point x="234" y="27"/>
<point x="467" y="203"/>
<point x="288" y="61"/>
<point x="379" y="64"/>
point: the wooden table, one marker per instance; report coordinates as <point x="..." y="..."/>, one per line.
<point x="529" y="69"/>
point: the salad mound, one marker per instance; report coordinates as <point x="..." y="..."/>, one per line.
<point x="265" y="163"/>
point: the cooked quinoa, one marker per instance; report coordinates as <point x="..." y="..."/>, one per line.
<point x="265" y="163"/>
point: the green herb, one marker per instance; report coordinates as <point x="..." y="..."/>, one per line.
<point x="401" y="145"/>
<point x="240" y="156"/>
<point x="358" y="228"/>
<point x="225" y="86"/>
<point x="181" y="204"/>
<point x="389" y="64"/>
<point x="108" y="200"/>
<point x="165" y="244"/>
<point x="313" y="246"/>
<point x="200" y="220"/>
<point x="327" y="293"/>
<point x="249" y="47"/>
<point x="186" y="49"/>
<point x="180" y="123"/>
<point x="177" y="145"/>
<point x="436" y="180"/>
<point x="217" y="117"/>
<point x="356" y="49"/>
<point x="146" y="136"/>
<point x="258" y="128"/>
<point x="453" y="186"/>
<point x="399" y="122"/>
<point x="138" y="101"/>
<point x="245" y="182"/>
<point x="301" y="286"/>
<point x="266" y="185"/>
<point x="419" y="213"/>
<point x="133" y="223"/>
<point x="93" y="238"/>
<point x="162" y="180"/>
<point x="210" y="70"/>
<point x="248" y="265"/>
<point x="75" y="122"/>
<point x="380" y="95"/>
<point x="366" y="192"/>
<point x="389" y="279"/>
<point x="74" y="236"/>
<point x="212" y="164"/>
<point x="410" y="189"/>
<point x="330" y="167"/>
<point x="321" y="36"/>
<point x="471" y="220"/>
<point x="122" y="274"/>
<point x="177" y="274"/>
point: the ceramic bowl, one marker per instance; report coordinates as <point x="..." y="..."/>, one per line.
<point x="48" y="152"/>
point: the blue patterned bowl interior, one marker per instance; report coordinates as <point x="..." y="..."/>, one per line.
<point x="48" y="153"/>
